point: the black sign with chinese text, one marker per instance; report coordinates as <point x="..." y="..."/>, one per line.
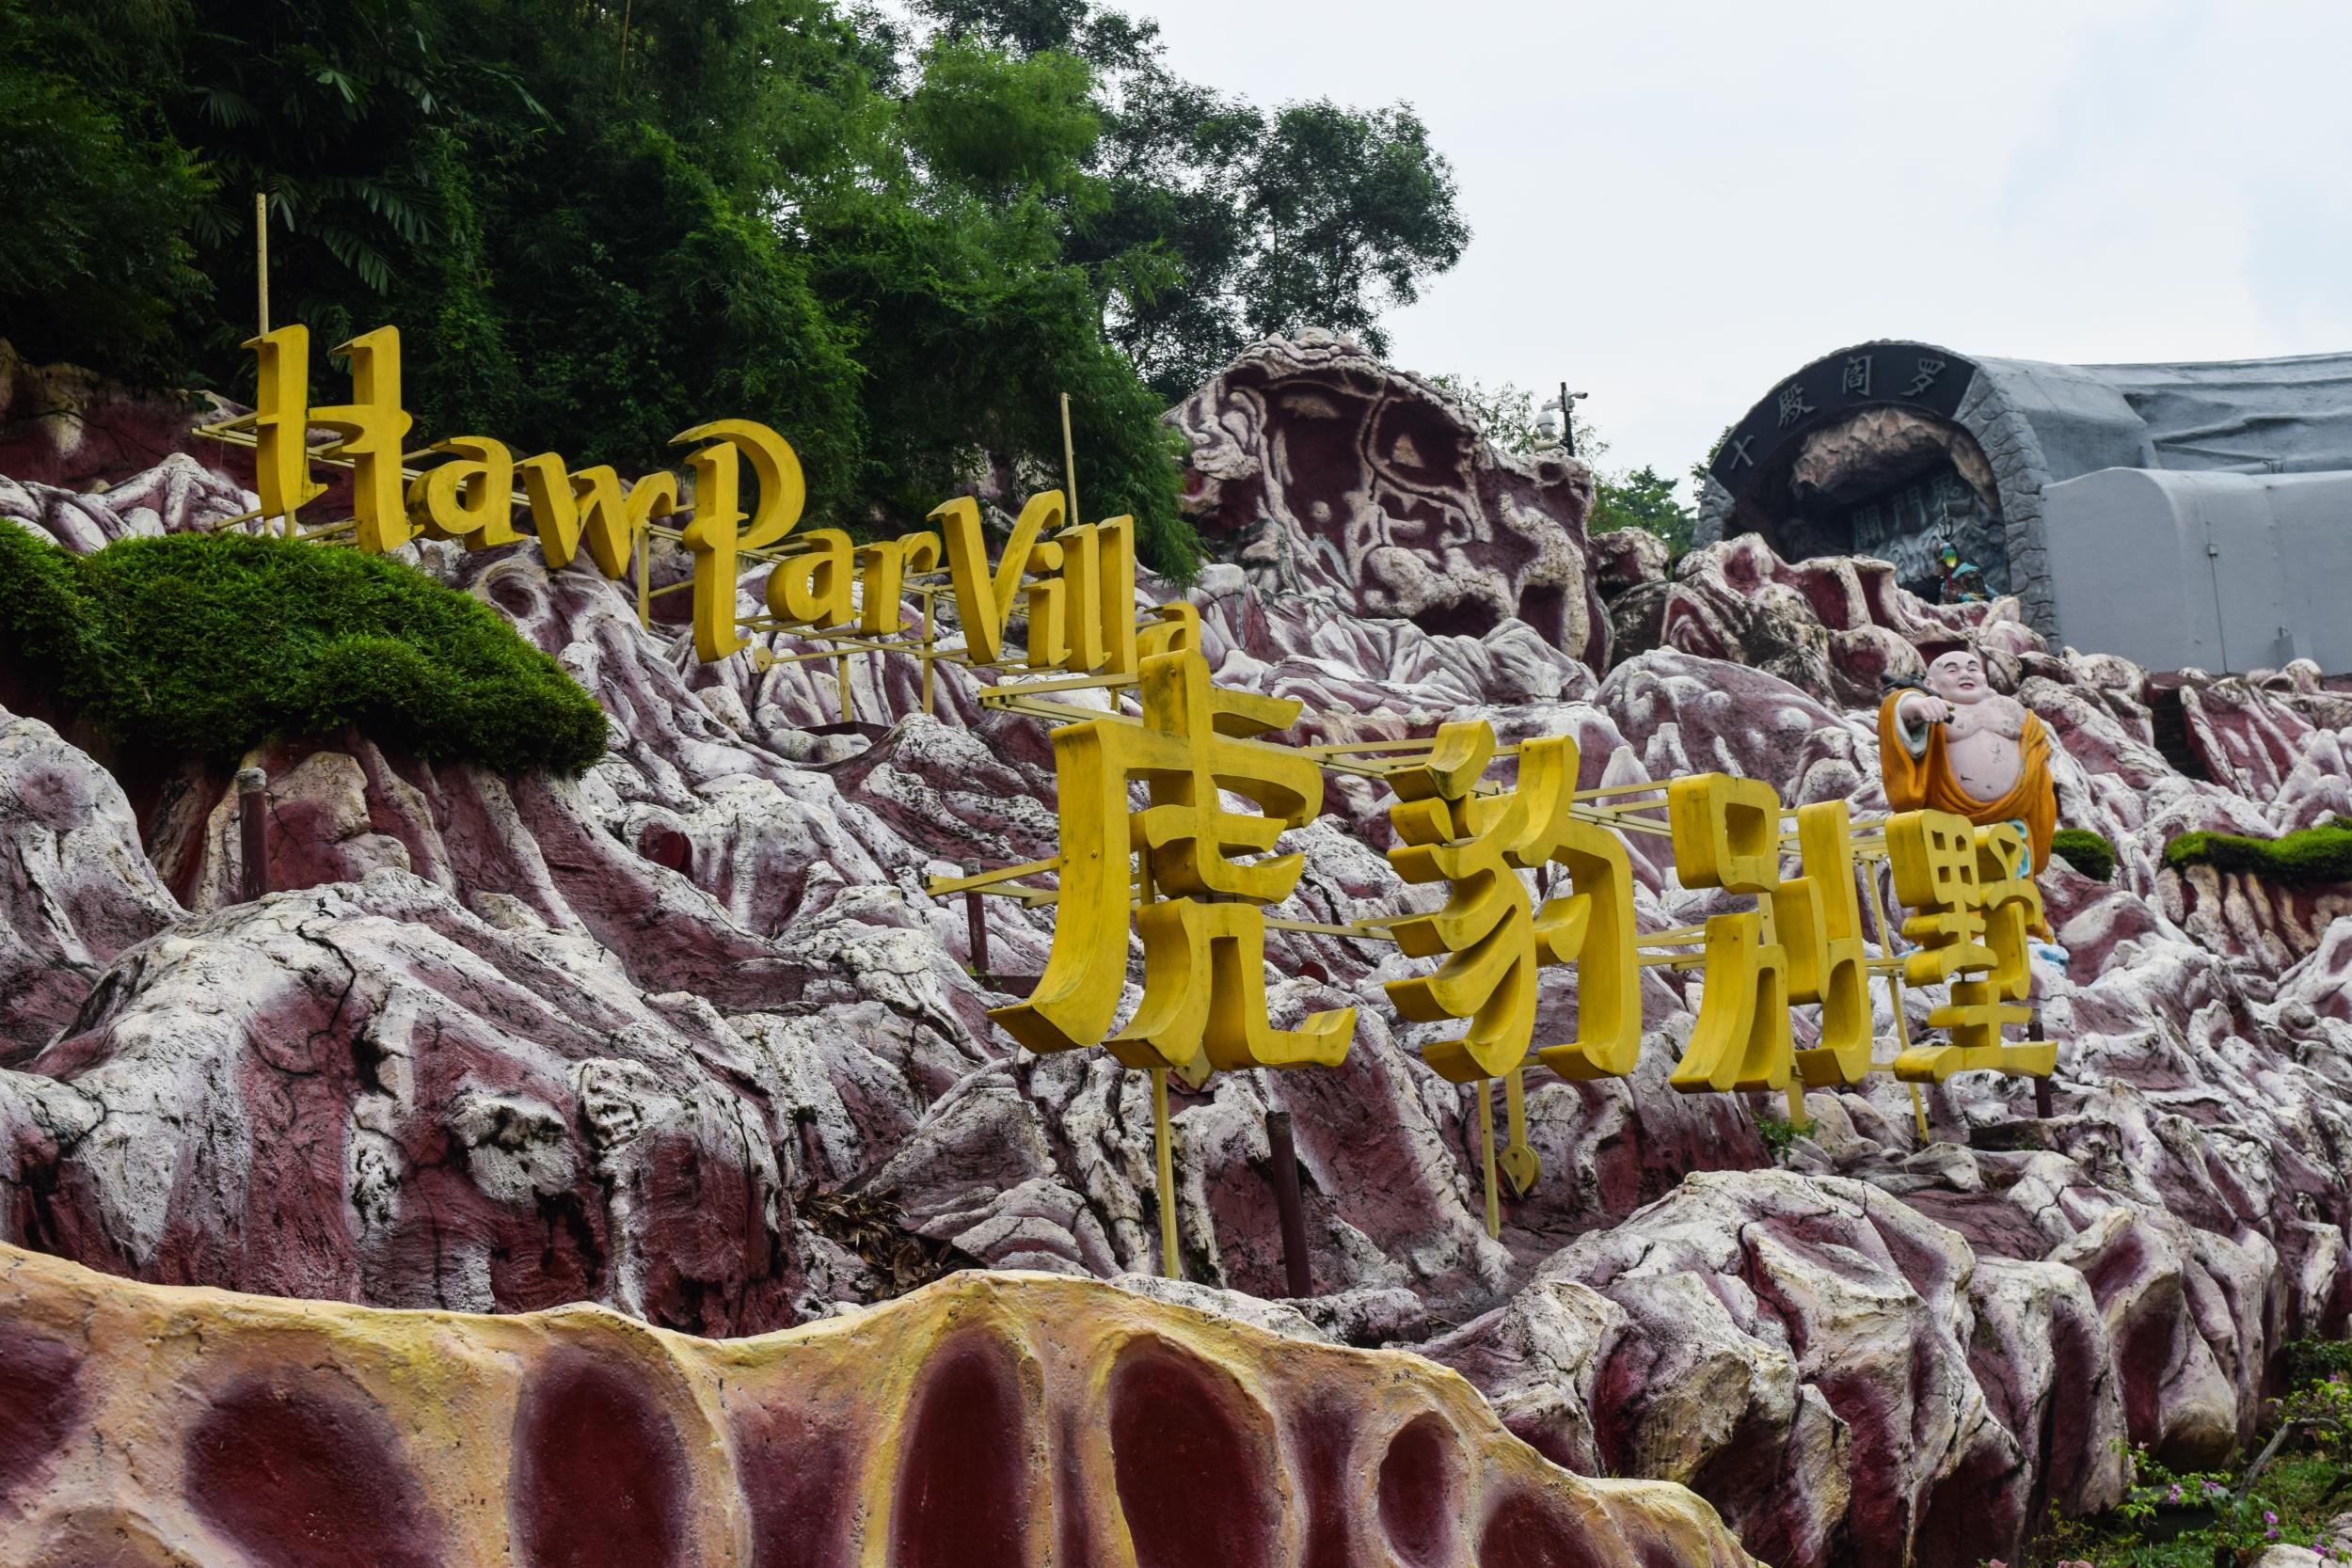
<point x="1914" y="376"/>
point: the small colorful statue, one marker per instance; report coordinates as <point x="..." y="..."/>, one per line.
<point x="1957" y="745"/>
<point x="1963" y="580"/>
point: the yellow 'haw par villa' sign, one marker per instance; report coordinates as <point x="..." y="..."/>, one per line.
<point x="1194" y="877"/>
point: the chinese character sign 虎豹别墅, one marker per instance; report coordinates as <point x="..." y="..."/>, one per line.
<point x="1194" y="878"/>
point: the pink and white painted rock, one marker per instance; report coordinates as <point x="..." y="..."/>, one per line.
<point x="1323" y="470"/>
<point x="727" y="914"/>
<point x="76" y="889"/>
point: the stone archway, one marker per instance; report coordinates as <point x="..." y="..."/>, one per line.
<point x="1889" y="449"/>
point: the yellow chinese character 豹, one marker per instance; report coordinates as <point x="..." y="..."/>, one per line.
<point x="1975" y="909"/>
<point x="1494" y="937"/>
<point x="1204" y="943"/>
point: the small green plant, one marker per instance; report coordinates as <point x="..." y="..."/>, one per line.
<point x="1778" y="1133"/>
<point x="2310" y="1360"/>
<point x="192" y="645"/>
<point x="2093" y="854"/>
<point x="2320" y="854"/>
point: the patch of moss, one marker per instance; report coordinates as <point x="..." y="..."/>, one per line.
<point x="2093" y="854"/>
<point x="207" y="646"/>
<point x="2321" y="854"/>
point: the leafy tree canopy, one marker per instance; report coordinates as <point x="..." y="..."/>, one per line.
<point x="597" y="223"/>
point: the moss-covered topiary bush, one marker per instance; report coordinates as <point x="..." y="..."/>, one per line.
<point x="2321" y="854"/>
<point x="206" y="646"/>
<point x="2093" y="854"/>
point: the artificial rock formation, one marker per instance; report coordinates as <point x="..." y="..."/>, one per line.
<point x="499" y="1043"/>
<point x="1323" y="470"/>
<point x="990" y="1421"/>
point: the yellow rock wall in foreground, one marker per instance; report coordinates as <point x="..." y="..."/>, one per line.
<point x="989" y="1420"/>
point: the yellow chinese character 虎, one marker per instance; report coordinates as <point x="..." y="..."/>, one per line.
<point x="1975" y="909"/>
<point x="1204" y="945"/>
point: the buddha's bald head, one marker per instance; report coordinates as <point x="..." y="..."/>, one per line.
<point x="1958" y="677"/>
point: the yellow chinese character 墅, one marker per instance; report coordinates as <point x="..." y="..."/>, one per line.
<point x="1976" y="907"/>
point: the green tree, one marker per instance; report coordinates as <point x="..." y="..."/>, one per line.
<point x="96" y="199"/>
<point x="1643" y="498"/>
<point x="1220" y="222"/>
<point x="599" y="222"/>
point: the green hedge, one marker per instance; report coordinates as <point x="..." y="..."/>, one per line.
<point x="2093" y="854"/>
<point x="207" y="646"/>
<point x="2321" y="854"/>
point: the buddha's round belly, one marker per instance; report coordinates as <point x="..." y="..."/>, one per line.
<point x="1987" y="765"/>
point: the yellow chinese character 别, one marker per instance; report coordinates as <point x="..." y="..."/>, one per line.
<point x="1727" y="834"/>
<point x="1818" y="922"/>
<point x="1494" y="937"/>
<point x="1975" y="909"/>
<point x="1204" y="943"/>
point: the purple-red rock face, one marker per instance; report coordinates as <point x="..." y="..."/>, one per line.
<point x="1320" y="470"/>
<point x="500" y="1043"/>
<point x="989" y="1421"/>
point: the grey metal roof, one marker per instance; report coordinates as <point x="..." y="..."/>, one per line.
<point x="2233" y="416"/>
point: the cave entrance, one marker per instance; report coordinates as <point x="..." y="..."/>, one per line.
<point x="1862" y="453"/>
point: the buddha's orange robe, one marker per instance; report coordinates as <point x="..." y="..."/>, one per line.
<point x="1927" y="782"/>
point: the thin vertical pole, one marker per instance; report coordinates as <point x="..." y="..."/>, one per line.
<point x="1162" y="1137"/>
<point x="260" y="286"/>
<point x="261" y="252"/>
<point x="976" y="924"/>
<point x="2044" y="1101"/>
<point x="252" y="832"/>
<point x="1487" y="1151"/>
<point x="841" y="683"/>
<point x="929" y="601"/>
<point x="1069" y="461"/>
<point x="1894" y="990"/>
<point x="644" y="579"/>
<point x="1287" y="1205"/>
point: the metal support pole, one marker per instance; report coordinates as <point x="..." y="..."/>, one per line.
<point x="2043" y="1105"/>
<point x="1163" y="1137"/>
<point x="1286" y="1202"/>
<point x="975" y="924"/>
<point x="929" y="601"/>
<point x="1568" y="421"/>
<point x="253" y="831"/>
<point x="645" y="581"/>
<point x="261" y="252"/>
<point x="1069" y="461"/>
<point x="1487" y="1151"/>
<point x="1796" y="1079"/>
<point x="841" y="682"/>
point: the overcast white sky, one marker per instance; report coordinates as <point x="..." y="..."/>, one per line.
<point x="1676" y="203"/>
